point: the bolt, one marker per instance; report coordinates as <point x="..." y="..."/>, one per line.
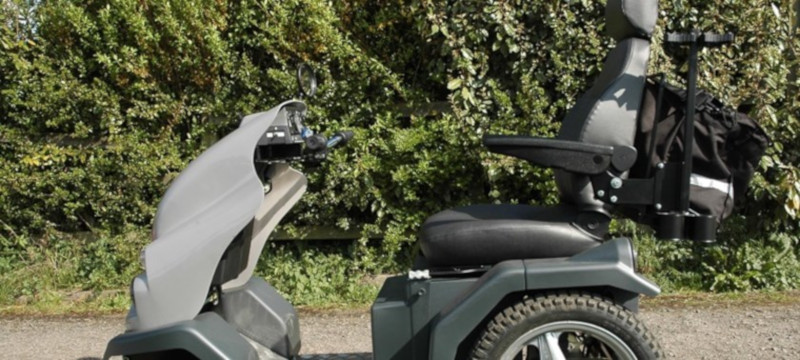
<point x="613" y="198"/>
<point x="616" y="183"/>
<point x="601" y="193"/>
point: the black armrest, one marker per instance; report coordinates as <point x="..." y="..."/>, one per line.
<point x="572" y="156"/>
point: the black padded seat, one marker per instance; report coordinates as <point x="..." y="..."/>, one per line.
<point x="605" y="115"/>
<point x="487" y="234"/>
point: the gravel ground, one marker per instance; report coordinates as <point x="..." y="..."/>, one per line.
<point x="694" y="332"/>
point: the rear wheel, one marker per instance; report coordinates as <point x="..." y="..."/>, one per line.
<point x="565" y="326"/>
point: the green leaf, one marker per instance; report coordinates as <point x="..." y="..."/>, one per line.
<point x="453" y="84"/>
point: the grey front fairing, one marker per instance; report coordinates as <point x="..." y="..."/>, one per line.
<point x="212" y="200"/>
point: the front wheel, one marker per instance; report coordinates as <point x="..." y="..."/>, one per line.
<point x="565" y="326"/>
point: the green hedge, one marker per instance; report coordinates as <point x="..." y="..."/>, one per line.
<point x="102" y="103"/>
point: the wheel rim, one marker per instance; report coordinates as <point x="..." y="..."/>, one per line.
<point x="563" y="340"/>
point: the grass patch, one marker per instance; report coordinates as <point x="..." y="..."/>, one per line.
<point x="58" y="273"/>
<point x="62" y="274"/>
<point x="71" y="269"/>
<point x="318" y="274"/>
<point x="116" y="302"/>
<point x="727" y="299"/>
<point x="89" y="275"/>
<point x="62" y="303"/>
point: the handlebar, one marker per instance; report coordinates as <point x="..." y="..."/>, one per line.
<point x="701" y="39"/>
<point x="318" y="146"/>
<point x="341" y="137"/>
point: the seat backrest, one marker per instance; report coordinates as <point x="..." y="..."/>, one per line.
<point x="607" y="113"/>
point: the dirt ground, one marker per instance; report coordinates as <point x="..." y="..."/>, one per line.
<point x="706" y="331"/>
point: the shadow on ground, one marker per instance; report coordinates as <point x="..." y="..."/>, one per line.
<point x="354" y="356"/>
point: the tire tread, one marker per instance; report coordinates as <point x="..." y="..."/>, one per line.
<point x="512" y="316"/>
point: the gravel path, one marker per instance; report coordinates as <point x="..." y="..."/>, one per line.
<point x="729" y="332"/>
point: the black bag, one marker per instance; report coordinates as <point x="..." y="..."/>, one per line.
<point x="728" y="145"/>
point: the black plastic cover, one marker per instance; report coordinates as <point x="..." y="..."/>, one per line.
<point x="234" y="259"/>
<point x="259" y="312"/>
<point x="208" y="336"/>
<point x="572" y="156"/>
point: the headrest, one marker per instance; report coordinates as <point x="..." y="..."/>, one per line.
<point x="631" y="18"/>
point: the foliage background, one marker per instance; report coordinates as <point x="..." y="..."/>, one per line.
<point x="103" y="102"/>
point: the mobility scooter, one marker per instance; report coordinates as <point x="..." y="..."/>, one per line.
<point x="491" y="281"/>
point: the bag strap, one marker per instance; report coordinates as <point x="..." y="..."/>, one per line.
<point x="654" y="132"/>
<point x="702" y="98"/>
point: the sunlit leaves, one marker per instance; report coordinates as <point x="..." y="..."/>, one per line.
<point x="103" y="102"/>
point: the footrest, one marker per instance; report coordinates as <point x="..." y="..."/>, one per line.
<point x="356" y="356"/>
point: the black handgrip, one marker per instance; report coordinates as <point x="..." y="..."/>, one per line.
<point x="717" y="39"/>
<point x="704" y="39"/>
<point x="341" y="137"/>
<point x="682" y="38"/>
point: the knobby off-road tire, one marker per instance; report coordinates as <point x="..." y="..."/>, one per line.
<point x="565" y="317"/>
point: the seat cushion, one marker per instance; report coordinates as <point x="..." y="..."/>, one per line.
<point x="487" y="234"/>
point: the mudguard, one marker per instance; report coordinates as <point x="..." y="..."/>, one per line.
<point x="608" y="265"/>
<point x="208" y="337"/>
<point x="212" y="200"/>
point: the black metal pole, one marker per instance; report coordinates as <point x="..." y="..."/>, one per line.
<point x="688" y="128"/>
<point x="695" y="40"/>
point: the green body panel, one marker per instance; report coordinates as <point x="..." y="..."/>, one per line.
<point x="391" y="321"/>
<point x="208" y="336"/>
<point x="403" y="312"/>
<point x="609" y="265"/>
<point x="457" y="320"/>
<point x="429" y="319"/>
